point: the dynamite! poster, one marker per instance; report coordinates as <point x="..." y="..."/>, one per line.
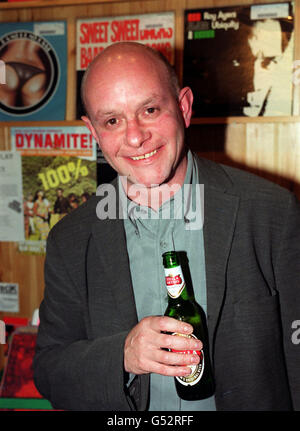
<point x="35" y="58"/>
<point x="58" y="175"/>
<point x="238" y="60"/>
<point x="156" y="30"/>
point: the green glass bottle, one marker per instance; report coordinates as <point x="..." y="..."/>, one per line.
<point x="199" y="384"/>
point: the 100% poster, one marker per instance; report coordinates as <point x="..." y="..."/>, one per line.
<point x="52" y="188"/>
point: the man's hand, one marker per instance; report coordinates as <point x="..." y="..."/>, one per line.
<point x="143" y="347"/>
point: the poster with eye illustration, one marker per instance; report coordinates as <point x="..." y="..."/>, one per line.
<point x="33" y="59"/>
<point x="239" y="60"/>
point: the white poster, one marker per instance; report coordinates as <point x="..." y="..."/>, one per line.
<point x="9" y="297"/>
<point x="11" y="204"/>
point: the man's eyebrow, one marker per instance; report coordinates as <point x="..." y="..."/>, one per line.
<point x="101" y="114"/>
<point x="155" y="98"/>
<point x="152" y="99"/>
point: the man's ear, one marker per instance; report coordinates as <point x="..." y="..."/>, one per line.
<point x="185" y="103"/>
<point x="89" y="125"/>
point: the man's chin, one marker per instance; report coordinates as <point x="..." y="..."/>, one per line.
<point x="140" y="185"/>
<point x="141" y="182"/>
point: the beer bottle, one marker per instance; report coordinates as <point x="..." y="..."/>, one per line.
<point x="199" y="384"/>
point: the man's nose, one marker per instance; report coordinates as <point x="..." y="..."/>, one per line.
<point x="137" y="133"/>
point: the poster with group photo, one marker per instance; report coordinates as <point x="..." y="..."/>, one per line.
<point x="58" y="175"/>
<point x="34" y="55"/>
<point x="238" y="60"/>
<point x="156" y="30"/>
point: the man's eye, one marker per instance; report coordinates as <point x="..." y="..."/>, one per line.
<point x="151" y="110"/>
<point x="111" y="121"/>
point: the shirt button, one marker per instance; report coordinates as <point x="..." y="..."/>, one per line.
<point x="163" y="244"/>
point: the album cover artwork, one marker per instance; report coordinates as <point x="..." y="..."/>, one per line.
<point x="33" y="56"/>
<point x="238" y="60"/>
<point x="156" y="30"/>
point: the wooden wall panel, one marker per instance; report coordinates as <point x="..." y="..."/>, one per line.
<point x="271" y="150"/>
<point x="296" y="94"/>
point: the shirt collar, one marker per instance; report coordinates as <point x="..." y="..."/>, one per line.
<point x="184" y="197"/>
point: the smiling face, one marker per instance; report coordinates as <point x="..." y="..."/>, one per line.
<point x="135" y="116"/>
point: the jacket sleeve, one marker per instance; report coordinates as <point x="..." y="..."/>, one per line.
<point x="287" y="271"/>
<point x="70" y="370"/>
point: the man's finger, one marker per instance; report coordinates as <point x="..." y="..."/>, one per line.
<point x="176" y="358"/>
<point x="181" y="342"/>
<point x="169" y="370"/>
<point x="169" y="324"/>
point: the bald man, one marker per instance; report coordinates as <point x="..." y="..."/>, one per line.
<point x="103" y="341"/>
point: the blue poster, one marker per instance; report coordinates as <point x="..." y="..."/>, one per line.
<point x="35" y="59"/>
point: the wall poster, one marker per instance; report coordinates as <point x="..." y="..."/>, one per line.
<point x="9" y="297"/>
<point x="58" y="173"/>
<point x="238" y="60"/>
<point x="35" y="58"/>
<point x="11" y="209"/>
<point x="95" y="34"/>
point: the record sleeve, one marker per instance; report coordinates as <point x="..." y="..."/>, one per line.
<point x="35" y="58"/>
<point x="238" y="60"/>
<point x="156" y="30"/>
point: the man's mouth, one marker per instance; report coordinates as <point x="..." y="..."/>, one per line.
<point x="144" y="156"/>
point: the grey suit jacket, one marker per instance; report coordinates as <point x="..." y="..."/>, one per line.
<point x="252" y="251"/>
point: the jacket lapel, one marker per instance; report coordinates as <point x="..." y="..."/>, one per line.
<point x="220" y="212"/>
<point x="109" y="235"/>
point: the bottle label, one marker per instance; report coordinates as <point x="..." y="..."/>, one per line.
<point x="174" y="281"/>
<point x="196" y="370"/>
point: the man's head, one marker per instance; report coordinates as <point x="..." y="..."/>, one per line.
<point x="172" y="77"/>
<point x="137" y="113"/>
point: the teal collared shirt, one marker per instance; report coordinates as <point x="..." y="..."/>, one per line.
<point x="176" y="226"/>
